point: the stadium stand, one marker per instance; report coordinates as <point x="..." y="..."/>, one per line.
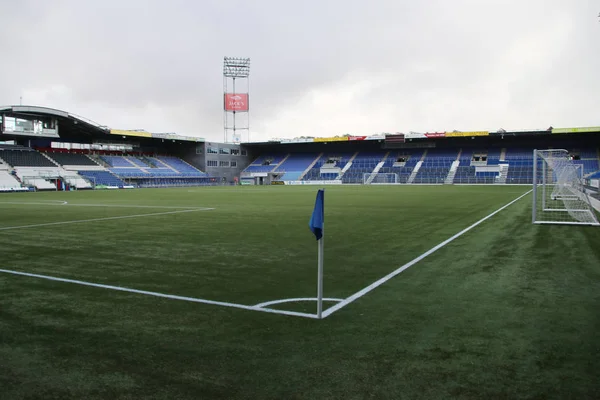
<point x="72" y="179"/>
<point x="170" y="182"/>
<point x="130" y="167"/>
<point x="120" y="161"/>
<point x="265" y="163"/>
<point x="520" y="165"/>
<point x="71" y="159"/>
<point x="102" y="178"/>
<point x="328" y="167"/>
<point x="294" y="165"/>
<point x="8" y="182"/>
<point x="402" y="163"/>
<point x="493" y="165"/>
<point x="588" y="158"/>
<point x="478" y="167"/>
<point x="595" y="175"/>
<point x="180" y="166"/>
<point x="363" y="163"/>
<point x="40" y="178"/>
<point x="24" y="157"/>
<point x="436" y="166"/>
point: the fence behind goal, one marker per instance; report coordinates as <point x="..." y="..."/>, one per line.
<point x="559" y="196"/>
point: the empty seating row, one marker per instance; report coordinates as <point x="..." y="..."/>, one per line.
<point x="153" y="172"/>
<point x="25" y="158"/>
<point x="267" y="159"/>
<point x="102" y="178"/>
<point x="468" y="174"/>
<point x="71" y="159"/>
<point x="8" y="183"/>
<point x="333" y="161"/>
<point x="162" y="182"/>
<point x="295" y="165"/>
<point x="121" y="161"/>
<point x="181" y="166"/>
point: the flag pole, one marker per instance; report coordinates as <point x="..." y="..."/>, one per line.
<point x="320" y="244"/>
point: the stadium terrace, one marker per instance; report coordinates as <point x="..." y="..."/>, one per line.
<point x="49" y="149"/>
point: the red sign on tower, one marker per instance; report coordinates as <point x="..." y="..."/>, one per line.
<point x="236" y="101"/>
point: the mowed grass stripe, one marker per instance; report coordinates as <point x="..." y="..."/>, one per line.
<point x="251" y="251"/>
<point x="507" y="311"/>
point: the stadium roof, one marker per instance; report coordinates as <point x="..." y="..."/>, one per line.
<point x="77" y="128"/>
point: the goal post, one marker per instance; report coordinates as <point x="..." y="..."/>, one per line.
<point x="388" y="178"/>
<point x="559" y="196"/>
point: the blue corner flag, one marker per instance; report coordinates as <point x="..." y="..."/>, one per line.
<point x="318" y="215"/>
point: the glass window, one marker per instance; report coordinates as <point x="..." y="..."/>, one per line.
<point x="233" y="163"/>
<point x="211" y="150"/>
<point x="224" y="164"/>
<point x="235" y="152"/>
<point x="223" y="150"/>
<point x="244" y="153"/>
<point x="212" y="163"/>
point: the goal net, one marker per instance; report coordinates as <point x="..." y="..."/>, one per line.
<point x="559" y="196"/>
<point x="380" y="179"/>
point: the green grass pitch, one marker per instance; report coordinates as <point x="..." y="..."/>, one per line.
<point x="509" y="310"/>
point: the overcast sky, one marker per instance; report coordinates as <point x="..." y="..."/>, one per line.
<point x="319" y="68"/>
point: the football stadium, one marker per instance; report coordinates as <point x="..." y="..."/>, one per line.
<point x="404" y="204"/>
<point x="141" y="265"/>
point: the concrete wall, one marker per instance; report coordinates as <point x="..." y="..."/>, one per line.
<point x="223" y="155"/>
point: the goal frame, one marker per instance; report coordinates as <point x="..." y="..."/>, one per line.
<point x="369" y="178"/>
<point x="549" y="181"/>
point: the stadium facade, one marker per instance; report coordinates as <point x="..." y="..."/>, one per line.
<point x="45" y="148"/>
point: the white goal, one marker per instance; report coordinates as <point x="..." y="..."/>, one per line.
<point x="559" y="196"/>
<point x="380" y="179"/>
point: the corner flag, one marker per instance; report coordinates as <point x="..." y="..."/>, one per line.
<point x="317" y="220"/>
<point x="318" y="215"/>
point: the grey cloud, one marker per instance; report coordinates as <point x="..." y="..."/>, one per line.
<point x="433" y="64"/>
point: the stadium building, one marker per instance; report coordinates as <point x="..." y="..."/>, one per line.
<point x="48" y="149"/>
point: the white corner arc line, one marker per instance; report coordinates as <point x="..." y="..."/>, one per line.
<point x="163" y="295"/>
<point x="409" y="264"/>
<point x="296" y="299"/>
<point x="6" y="228"/>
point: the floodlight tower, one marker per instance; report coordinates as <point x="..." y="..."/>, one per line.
<point x="236" y="102"/>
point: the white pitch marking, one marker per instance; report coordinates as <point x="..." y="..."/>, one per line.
<point x="66" y="203"/>
<point x="226" y="190"/>
<point x="164" y="295"/>
<point x="101" y="219"/>
<point x="270" y="303"/>
<point x="409" y="264"/>
<point x="49" y="203"/>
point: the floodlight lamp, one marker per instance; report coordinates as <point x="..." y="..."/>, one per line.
<point x="236" y="67"/>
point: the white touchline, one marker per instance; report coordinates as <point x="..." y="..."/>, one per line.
<point x="6" y="228"/>
<point x="163" y="295"/>
<point x="409" y="264"/>
<point x="66" y="203"/>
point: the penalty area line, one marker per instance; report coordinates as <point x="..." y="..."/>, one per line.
<point x="78" y="221"/>
<point x="163" y="295"/>
<point x="409" y="264"/>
